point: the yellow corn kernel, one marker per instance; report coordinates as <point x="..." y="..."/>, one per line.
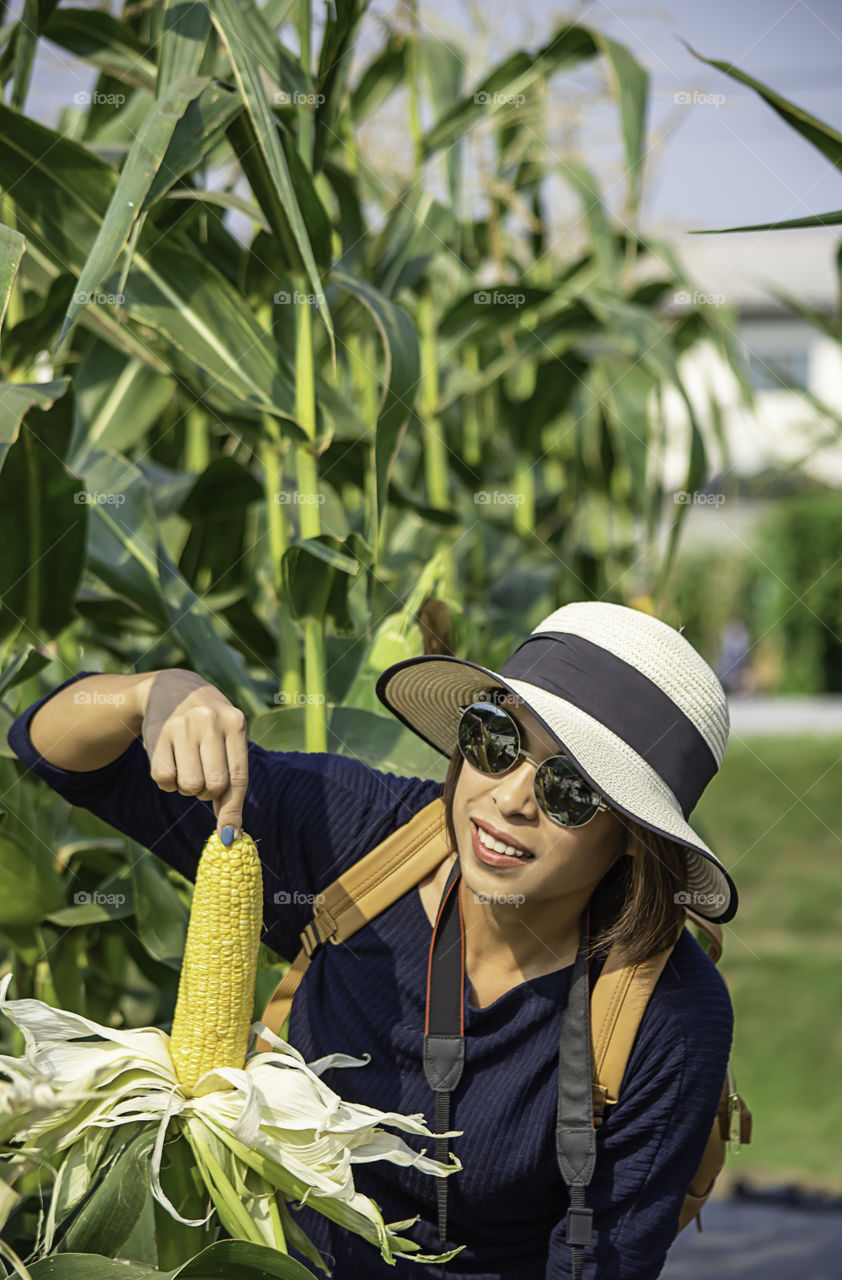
<point x="216" y="990"/>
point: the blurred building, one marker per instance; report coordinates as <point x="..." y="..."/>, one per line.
<point x="794" y="428"/>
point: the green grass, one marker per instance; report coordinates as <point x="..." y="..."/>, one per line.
<point x="772" y="816"/>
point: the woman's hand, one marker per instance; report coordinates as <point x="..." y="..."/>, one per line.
<point x="197" y="744"/>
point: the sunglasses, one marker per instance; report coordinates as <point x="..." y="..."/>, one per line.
<point x="489" y="740"/>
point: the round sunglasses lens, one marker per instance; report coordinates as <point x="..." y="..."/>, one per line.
<point x="488" y="738"/>
<point x="565" y="795"/>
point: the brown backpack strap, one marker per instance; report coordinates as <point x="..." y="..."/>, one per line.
<point x="369" y="886"/>
<point x="619" y="998"/>
<point x="618" y="1001"/>
<point x="712" y="932"/>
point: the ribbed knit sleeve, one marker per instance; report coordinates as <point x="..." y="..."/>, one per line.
<point x="653" y="1139"/>
<point x="312" y="814"/>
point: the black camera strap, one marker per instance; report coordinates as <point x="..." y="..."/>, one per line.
<point x="444" y="1060"/>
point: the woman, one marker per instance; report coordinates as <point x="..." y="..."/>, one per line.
<point x="602" y="731"/>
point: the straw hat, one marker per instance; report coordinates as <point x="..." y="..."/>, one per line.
<point x="625" y="695"/>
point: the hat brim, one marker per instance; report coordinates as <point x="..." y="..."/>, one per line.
<point x="425" y="693"/>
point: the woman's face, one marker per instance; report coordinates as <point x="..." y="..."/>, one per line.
<point x="566" y="859"/>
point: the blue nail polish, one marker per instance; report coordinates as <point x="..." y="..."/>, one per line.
<point x="227" y="835"/>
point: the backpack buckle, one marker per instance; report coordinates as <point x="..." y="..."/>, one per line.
<point x="734" y="1114"/>
<point x="312" y="937"/>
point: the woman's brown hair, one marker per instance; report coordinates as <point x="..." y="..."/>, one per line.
<point x="635" y="903"/>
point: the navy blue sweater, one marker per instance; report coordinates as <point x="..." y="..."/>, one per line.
<point x="312" y="816"/>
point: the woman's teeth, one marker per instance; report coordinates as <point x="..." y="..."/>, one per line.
<point x="498" y="846"/>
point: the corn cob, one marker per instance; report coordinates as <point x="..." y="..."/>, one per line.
<point x="216" y="990"/>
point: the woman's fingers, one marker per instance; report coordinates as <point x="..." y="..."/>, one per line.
<point x="188" y="763"/>
<point x="162" y="764"/>
<point x="197" y="743"/>
<point x="229" y="807"/>
<point x="214" y="762"/>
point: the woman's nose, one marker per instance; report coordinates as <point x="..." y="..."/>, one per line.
<point x="515" y="792"/>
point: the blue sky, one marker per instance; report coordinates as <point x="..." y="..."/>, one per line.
<point x="709" y="165"/>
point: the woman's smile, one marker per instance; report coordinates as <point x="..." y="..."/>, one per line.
<point x="484" y="845"/>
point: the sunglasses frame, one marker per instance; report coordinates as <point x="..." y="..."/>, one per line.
<point x="601" y="806"/>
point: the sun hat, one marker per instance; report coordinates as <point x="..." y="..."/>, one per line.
<point x="625" y="695"/>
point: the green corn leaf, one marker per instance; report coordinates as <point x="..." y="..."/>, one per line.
<point x="12" y="249"/>
<point x="26" y="43"/>
<point x="817" y="132"/>
<point x="221" y="1261"/>
<point x="331" y="77"/>
<point x="109" y="1216"/>
<point x="116" y="401"/>
<point x="276" y="12"/>
<point x="234" y="30"/>
<point x="822" y="136"/>
<point x="90" y="1266"/>
<point x="108" y="43"/>
<point x="160" y="915"/>
<point x="182" y="1185"/>
<point x="126" y="552"/>
<point x="243" y="138"/>
<point x="186" y="27"/>
<point x="41" y="273"/>
<point x="385" y="73"/>
<point x="380" y="740"/>
<point x="317" y="573"/>
<point x="400" y="384"/>
<point x="142" y="163"/>
<point x="280" y="65"/>
<point x="27" y="664"/>
<point x="568" y="46"/>
<point x="42" y="532"/>
<point x="112" y="902"/>
<point x="225" y="200"/>
<point x="443" y="66"/>
<point x="170" y="288"/>
<point x="29" y="885"/>
<point x="196" y="135"/>
<point x="601" y="235"/>
<point x="243" y="1259"/>
<point x="16" y="399"/>
<point x="832" y="219"/>
<point x="413" y="234"/>
<point x="632" y="82"/>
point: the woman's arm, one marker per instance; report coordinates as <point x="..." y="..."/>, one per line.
<point x="195" y="739"/>
<point x="311" y="814"/>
